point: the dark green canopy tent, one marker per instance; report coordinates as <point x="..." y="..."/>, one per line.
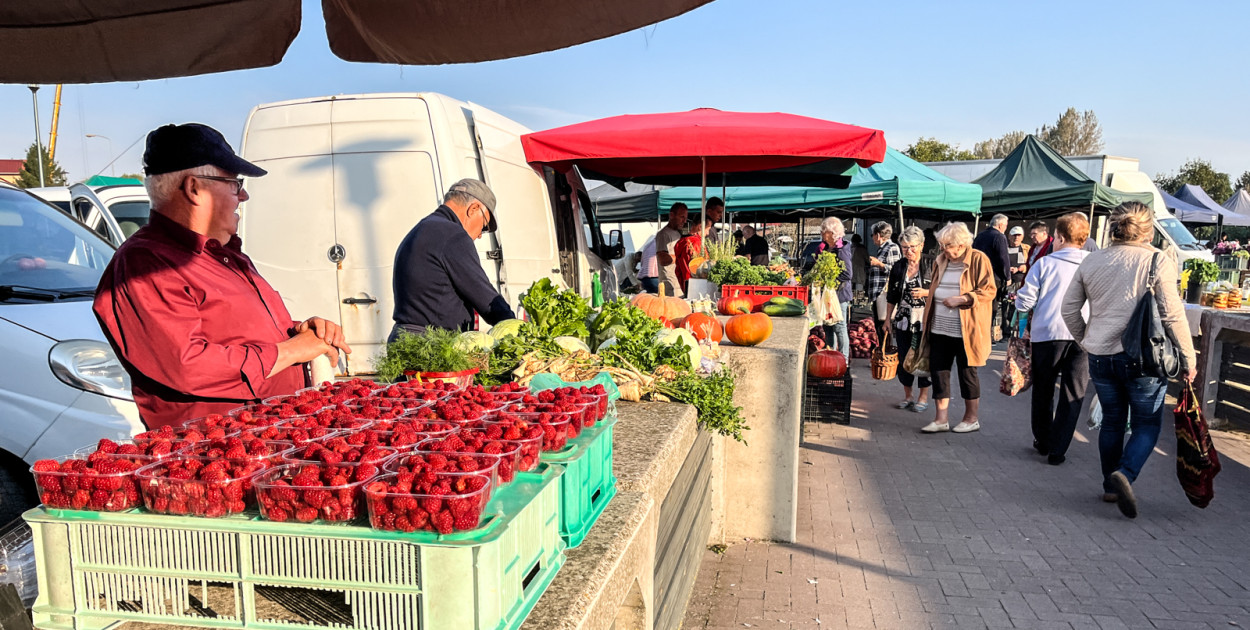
<point x="878" y="191"/>
<point x="1036" y="182"/>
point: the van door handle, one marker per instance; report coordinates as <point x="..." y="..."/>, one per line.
<point x="367" y="300"/>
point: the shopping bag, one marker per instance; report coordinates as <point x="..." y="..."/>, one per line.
<point x="916" y="362"/>
<point x="1197" y="463"/>
<point x="1018" y="369"/>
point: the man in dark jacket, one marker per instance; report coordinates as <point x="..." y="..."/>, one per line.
<point x="438" y="280"/>
<point x="993" y="243"/>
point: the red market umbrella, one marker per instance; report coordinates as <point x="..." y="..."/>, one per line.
<point x="72" y="41"/>
<point x="682" y="148"/>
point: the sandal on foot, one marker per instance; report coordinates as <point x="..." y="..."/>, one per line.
<point x="906" y="404"/>
<point x="919" y="407"/>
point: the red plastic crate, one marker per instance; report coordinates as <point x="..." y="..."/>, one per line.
<point x="761" y="294"/>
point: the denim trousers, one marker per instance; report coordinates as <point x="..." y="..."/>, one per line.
<point x="842" y="331"/>
<point x="1124" y="390"/>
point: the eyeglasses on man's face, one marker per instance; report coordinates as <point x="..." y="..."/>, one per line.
<point x="236" y="181"/>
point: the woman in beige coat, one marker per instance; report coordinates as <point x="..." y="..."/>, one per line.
<point x="957" y="325"/>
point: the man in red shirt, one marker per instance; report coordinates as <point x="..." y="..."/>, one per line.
<point x="1039" y="233"/>
<point x="196" y="327"/>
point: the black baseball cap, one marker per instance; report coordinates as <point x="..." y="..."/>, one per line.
<point x="177" y="147"/>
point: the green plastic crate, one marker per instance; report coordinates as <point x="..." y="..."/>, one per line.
<point x="98" y="569"/>
<point x="588" y="483"/>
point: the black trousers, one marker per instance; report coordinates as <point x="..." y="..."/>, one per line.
<point x="903" y="341"/>
<point x="1067" y="363"/>
<point x="943" y="351"/>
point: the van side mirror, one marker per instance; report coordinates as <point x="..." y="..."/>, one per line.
<point x="615" y="246"/>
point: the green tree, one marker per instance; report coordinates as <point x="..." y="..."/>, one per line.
<point x="28" y="177"/>
<point x="934" y="150"/>
<point x="998" y="148"/>
<point x="1200" y="173"/>
<point x="1243" y="182"/>
<point x="1074" y="133"/>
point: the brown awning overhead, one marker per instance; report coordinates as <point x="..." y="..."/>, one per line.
<point x="90" y="41"/>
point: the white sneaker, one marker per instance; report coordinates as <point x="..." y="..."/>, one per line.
<point x="934" y="427"/>
<point x="967" y="427"/>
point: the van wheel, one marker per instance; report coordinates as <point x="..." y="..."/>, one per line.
<point x="17" y="488"/>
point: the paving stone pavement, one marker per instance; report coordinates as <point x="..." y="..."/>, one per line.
<point x="897" y="529"/>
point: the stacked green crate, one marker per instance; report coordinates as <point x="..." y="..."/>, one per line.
<point x="588" y="483"/>
<point x="96" y="569"/>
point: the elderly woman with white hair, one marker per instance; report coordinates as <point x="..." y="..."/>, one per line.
<point x="833" y="240"/>
<point x="957" y="326"/>
<point x="905" y="309"/>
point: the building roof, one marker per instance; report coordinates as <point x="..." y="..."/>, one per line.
<point x="11" y="166"/>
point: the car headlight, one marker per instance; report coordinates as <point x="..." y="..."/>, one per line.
<point x="90" y="366"/>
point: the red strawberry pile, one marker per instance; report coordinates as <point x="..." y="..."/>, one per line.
<point x="239" y="447"/>
<point x="455" y="409"/>
<point x="403" y="438"/>
<point x="442" y="502"/>
<point x="155" y="448"/>
<point x="307" y="492"/>
<point x="383" y="408"/>
<point x="428" y="464"/>
<point x="472" y="441"/>
<point x="179" y="436"/>
<point x="302" y="403"/>
<point x="196" y="486"/>
<point x="593" y="400"/>
<point x="242" y="419"/>
<point x="338" y="392"/>
<point x="338" y="450"/>
<point x="101" y="481"/>
<point x="509" y="425"/>
<point x="288" y="433"/>
<point x="429" y="391"/>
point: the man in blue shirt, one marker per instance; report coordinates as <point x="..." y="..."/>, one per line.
<point x="438" y="280"/>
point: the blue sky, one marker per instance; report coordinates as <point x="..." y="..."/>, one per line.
<point x="1167" y="81"/>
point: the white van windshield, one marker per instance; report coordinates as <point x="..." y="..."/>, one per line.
<point x="45" y="255"/>
<point x="1184" y="240"/>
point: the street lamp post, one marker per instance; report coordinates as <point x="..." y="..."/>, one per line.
<point x="38" y="144"/>
<point x="112" y="169"/>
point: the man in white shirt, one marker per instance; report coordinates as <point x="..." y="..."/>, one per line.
<point x="1056" y="354"/>
<point x="649" y="269"/>
<point x="665" y="249"/>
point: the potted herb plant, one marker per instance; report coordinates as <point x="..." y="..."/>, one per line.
<point x="1201" y="273"/>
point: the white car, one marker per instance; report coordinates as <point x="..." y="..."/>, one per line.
<point x="113" y="212"/>
<point x="61" y="386"/>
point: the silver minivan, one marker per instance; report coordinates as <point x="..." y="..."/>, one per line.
<point x="61" y="385"/>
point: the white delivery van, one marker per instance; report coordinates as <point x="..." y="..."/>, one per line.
<point x="349" y="176"/>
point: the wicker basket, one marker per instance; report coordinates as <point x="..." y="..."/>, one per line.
<point x="885" y="360"/>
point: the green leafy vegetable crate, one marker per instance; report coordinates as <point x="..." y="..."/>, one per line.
<point x="98" y="569"/>
<point x="588" y="483"/>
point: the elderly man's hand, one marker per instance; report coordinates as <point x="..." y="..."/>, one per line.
<point x="327" y="331"/>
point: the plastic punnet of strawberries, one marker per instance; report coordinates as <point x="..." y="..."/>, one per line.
<point x="426" y="463"/>
<point x="568" y="415"/>
<point x="528" y="450"/>
<point x="473" y="441"/>
<point x="336" y="392"/>
<point x="304" y="402"/>
<point x="307" y="491"/>
<point x="429" y="391"/>
<point x="510" y="425"/>
<point x="588" y="403"/>
<point x="384" y="408"/>
<point x="240" y="447"/>
<point x="155" y="448"/>
<point x="402" y="438"/>
<point x="335" y="417"/>
<point x="445" y="502"/>
<point x="291" y="433"/>
<point x="198" y="486"/>
<point x="101" y="481"/>
<point x="338" y="451"/>
<point x="240" y="420"/>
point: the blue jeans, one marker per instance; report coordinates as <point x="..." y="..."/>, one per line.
<point x="650" y="285"/>
<point x="842" y="333"/>
<point x="1123" y="389"/>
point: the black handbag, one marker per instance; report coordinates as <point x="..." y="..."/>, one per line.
<point x="1145" y="341"/>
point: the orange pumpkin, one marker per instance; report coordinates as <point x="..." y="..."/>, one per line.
<point x="657" y="306"/>
<point x="749" y="329"/>
<point x="733" y="305"/>
<point x="704" y="327"/>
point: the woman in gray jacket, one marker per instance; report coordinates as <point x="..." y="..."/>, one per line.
<point x="1112" y="281"/>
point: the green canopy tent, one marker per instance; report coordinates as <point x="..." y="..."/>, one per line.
<point x="881" y="190"/>
<point x="105" y="180"/>
<point x="1035" y="182"/>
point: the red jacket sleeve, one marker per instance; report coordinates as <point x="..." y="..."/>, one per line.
<point x="152" y="318"/>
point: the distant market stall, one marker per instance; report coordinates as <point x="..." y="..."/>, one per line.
<point x="1239" y="203"/>
<point x="1035" y="182"/>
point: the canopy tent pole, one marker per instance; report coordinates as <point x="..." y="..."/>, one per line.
<point x="703" y="202"/>
<point x="901" y="224"/>
<point x="1219" y="229"/>
<point x="976" y="224"/>
<point x="1091" y="214"/>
